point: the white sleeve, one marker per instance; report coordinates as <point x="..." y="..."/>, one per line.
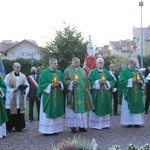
<point x="130" y="83"/>
<point x="48" y="89"/>
<point x="1" y="93"/>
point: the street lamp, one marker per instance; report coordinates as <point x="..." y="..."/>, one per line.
<point x="32" y="59"/>
<point x="141" y="3"/>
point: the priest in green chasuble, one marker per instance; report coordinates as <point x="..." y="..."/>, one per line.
<point x="131" y="91"/>
<point x="78" y="101"/>
<point x="102" y="82"/>
<point x="3" y="115"/>
<point x="50" y="93"/>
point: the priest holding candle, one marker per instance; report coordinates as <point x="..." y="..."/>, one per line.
<point x="131" y="91"/>
<point x="101" y="82"/>
<point x="78" y="101"/>
<point x="50" y="93"/>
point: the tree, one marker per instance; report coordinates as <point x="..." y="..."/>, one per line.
<point x="68" y="43"/>
<point x="25" y="65"/>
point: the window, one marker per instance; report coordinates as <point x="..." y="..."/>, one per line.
<point x="22" y="54"/>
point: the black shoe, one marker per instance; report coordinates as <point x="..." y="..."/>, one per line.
<point x="54" y="134"/>
<point x="106" y="128"/>
<point x="19" y="130"/>
<point x="146" y="112"/>
<point x="49" y="134"/>
<point x="46" y="134"/>
<point x="116" y="114"/>
<point x="73" y="130"/>
<point x="9" y="130"/>
<point x="82" y="129"/>
<point x="137" y="126"/>
<point x="129" y="126"/>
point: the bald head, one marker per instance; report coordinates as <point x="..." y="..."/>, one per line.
<point x="132" y="63"/>
<point x="16" y="67"/>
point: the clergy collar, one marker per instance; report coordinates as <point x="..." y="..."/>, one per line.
<point x="16" y="73"/>
<point x="100" y="70"/>
<point x="76" y="68"/>
<point x="131" y="68"/>
<point x="52" y="69"/>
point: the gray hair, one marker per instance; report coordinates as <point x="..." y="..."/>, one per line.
<point x="100" y="60"/>
<point x="16" y="63"/>
<point x="75" y="58"/>
<point x="33" y="68"/>
<point x="51" y="60"/>
<point x="132" y="60"/>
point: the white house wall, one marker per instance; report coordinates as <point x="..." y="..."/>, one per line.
<point x="23" y="50"/>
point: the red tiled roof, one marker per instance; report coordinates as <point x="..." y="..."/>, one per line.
<point x="104" y="49"/>
<point x="4" y="46"/>
<point x="124" y="45"/>
<point x="146" y="31"/>
<point x="7" y="46"/>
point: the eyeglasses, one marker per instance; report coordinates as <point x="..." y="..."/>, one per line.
<point x="134" y="64"/>
<point x="18" y="67"/>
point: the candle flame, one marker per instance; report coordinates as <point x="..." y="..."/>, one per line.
<point x="55" y="79"/>
<point x="138" y="77"/>
<point x="76" y="77"/>
<point x="103" y="77"/>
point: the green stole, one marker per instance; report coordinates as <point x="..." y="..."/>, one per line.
<point x="79" y="99"/>
<point x="133" y="95"/>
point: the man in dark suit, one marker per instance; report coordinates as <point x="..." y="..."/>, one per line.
<point x="115" y="89"/>
<point x="147" y="78"/>
<point x="33" y="81"/>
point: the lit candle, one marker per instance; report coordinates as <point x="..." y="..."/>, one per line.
<point x="138" y="77"/>
<point x="55" y="80"/>
<point x="103" y="77"/>
<point x="76" y="77"/>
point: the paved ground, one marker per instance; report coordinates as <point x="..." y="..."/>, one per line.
<point x="31" y="139"/>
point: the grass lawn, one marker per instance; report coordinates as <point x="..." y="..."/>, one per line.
<point x="27" y="111"/>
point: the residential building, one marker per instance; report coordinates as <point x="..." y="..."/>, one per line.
<point x="121" y="48"/>
<point x="24" y="49"/>
<point x="146" y="39"/>
<point x="103" y="51"/>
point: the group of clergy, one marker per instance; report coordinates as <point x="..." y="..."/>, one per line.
<point x="73" y="99"/>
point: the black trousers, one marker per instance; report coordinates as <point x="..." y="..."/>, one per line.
<point x="115" y="98"/>
<point x="31" y="105"/>
<point x="147" y="100"/>
<point x="16" y="121"/>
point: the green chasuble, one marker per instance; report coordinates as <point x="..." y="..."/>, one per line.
<point x="3" y="115"/>
<point x="79" y="98"/>
<point x="102" y="98"/>
<point x="53" y="103"/>
<point x="133" y="95"/>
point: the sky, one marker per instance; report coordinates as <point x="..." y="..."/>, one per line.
<point x="103" y="20"/>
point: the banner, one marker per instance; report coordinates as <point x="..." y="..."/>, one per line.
<point x="134" y="55"/>
<point x="90" y="61"/>
<point x="2" y="70"/>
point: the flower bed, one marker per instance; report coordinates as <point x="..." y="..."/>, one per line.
<point x="131" y="147"/>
